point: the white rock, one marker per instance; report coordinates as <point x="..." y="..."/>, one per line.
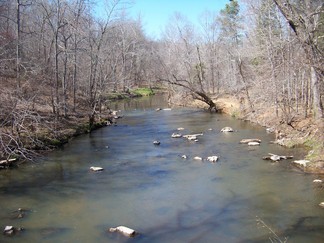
<point x="184" y="156"/>
<point x="302" y="162"/>
<point x="212" y="158"/>
<point x="275" y="157"/>
<point x="96" y="168"/>
<point x="248" y="140"/>
<point x="124" y="230"/>
<point x="253" y="143"/>
<point x="8" y="228"/>
<point x="198" y="158"/>
<point x="192" y="137"/>
<point x="227" y="129"/>
<point x="176" y="135"/>
<point x="317" y="181"/>
<point x="156" y="142"/>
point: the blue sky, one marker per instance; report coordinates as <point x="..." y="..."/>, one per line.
<point x="155" y="14"/>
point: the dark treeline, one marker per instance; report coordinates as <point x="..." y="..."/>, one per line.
<point x="57" y="57"/>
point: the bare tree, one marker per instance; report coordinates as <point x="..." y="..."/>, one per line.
<point x="304" y="19"/>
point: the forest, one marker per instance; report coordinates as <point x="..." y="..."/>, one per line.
<point x="60" y="63"/>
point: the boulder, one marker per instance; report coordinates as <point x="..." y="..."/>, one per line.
<point x="124" y="230"/>
<point x="227" y="129"/>
<point x="96" y="169"/>
<point x="198" y="158"/>
<point x="184" y="156"/>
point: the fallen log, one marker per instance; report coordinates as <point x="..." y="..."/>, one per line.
<point x="7" y="163"/>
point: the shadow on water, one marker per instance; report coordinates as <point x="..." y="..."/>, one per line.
<point x="153" y="190"/>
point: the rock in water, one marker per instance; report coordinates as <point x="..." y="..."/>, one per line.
<point x="95" y="168"/>
<point x="253" y="143"/>
<point x="301" y="162"/>
<point x="212" y="158"/>
<point x="124" y="230"/>
<point x="156" y="142"/>
<point x="248" y="140"/>
<point x="227" y="129"/>
<point x="9" y="230"/>
<point x="317" y="181"/>
<point x="176" y="135"/>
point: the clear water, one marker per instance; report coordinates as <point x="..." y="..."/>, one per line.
<point x="154" y="191"/>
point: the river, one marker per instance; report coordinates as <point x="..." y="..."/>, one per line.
<point x="152" y="189"/>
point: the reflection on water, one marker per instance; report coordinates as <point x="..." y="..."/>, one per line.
<point x="155" y="191"/>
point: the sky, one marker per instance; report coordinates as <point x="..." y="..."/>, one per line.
<point x="155" y="14"/>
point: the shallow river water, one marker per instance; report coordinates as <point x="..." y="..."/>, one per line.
<point x="164" y="197"/>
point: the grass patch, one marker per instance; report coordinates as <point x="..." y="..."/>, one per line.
<point x="143" y="91"/>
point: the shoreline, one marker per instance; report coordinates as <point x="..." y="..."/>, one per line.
<point x="301" y="131"/>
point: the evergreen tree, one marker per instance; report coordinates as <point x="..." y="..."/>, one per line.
<point x="230" y="22"/>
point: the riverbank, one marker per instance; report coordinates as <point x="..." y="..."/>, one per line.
<point x="299" y="131"/>
<point x="41" y="130"/>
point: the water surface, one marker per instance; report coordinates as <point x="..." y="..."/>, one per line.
<point x="156" y="192"/>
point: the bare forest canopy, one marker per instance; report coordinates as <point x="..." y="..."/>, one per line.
<point x="57" y="60"/>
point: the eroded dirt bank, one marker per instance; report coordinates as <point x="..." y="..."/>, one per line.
<point x="299" y="131"/>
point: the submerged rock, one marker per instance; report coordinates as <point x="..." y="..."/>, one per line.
<point x="124" y="230"/>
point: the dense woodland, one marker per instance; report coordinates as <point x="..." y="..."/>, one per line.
<point x="58" y="60"/>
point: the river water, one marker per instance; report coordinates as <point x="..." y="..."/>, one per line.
<point x="153" y="190"/>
